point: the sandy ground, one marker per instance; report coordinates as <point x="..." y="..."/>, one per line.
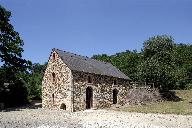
<point x="42" y="118"/>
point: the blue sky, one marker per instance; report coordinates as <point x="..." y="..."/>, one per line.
<point x="88" y="27"/>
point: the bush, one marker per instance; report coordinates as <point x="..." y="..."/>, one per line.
<point x="189" y="86"/>
<point x="15" y="94"/>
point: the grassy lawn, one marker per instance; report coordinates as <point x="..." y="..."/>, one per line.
<point x="183" y="107"/>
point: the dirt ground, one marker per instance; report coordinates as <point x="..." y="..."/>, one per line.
<point x="43" y="118"/>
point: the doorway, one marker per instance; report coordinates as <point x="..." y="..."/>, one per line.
<point x="89" y="98"/>
<point x="63" y="106"/>
<point x="115" y="92"/>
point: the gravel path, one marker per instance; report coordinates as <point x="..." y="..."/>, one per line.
<point x="41" y="118"/>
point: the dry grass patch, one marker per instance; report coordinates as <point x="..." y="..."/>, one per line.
<point x="184" y="106"/>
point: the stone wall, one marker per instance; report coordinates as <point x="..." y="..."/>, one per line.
<point x="58" y="91"/>
<point x="69" y="87"/>
<point x="102" y="90"/>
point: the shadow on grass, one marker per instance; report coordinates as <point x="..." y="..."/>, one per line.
<point x="32" y="105"/>
<point x="170" y="96"/>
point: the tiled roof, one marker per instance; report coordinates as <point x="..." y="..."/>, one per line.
<point x="85" y="64"/>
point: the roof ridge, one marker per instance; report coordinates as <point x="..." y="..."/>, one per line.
<point x="81" y="63"/>
<point x="71" y="53"/>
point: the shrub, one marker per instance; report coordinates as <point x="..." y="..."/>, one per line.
<point x="15" y="94"/>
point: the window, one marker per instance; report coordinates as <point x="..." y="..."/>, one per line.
<point x="89" y="97"/>
<point x="63" y="106"/>
<point x="53" y="76"/>
<point x="115" y="82"/>
<point x="53" y="98"/>
<point x="89" y="79"/>
<point x="54" y="56"/>
<point x="115" y="93"/>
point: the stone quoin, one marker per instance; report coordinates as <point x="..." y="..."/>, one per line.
<point x="74" y="83"/>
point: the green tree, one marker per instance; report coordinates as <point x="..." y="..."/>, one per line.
<point x="11" y="48"/>
<point x="35" y="82"/>
<point x="102" y="57"/>
<point x="183" y="73"/>
<point x="158" y="64"/>
<point x="127" y="62"/>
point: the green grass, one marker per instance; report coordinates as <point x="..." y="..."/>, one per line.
<point x="183" y="107"/>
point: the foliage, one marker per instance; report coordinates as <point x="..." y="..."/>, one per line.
<point x="127" y="62"/>
<point x="35" y="82"/>
<point x="13" y="65"/>
<point x="11" y="46"/>
<point x="161" y="61"/>
<point x="103" y="57"/>
<point x="183" y="55"/>
<point x="16" y="94"/>
<point x="158" y="62"/>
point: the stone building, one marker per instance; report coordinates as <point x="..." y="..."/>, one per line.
<point x="74" y="83"/>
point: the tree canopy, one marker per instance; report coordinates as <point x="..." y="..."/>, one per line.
<point x="161" y="61"/>
<point x="158" y="62"/>
<point x="11" y="47"/>
<point x="35" y="80"/>
<point x="13" y="65"/>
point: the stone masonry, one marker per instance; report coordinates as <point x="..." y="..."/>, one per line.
<point x="60" y="88"/>
<point x="102" y="86"/>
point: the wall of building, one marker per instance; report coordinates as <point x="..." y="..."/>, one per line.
<point x="69" y="87"/>
<point x="60" y="87"/>
<point x="102" y="90"/>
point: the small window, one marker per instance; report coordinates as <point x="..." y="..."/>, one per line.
<point x="53" y="98"/>
<point x="54" y="56"/>
<point x="53" y="76"/>
<point x="115" y="82"/>
<point x="63" y="106"/>
<point x="115" y="93"/>
<point x="89" y="79"/>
